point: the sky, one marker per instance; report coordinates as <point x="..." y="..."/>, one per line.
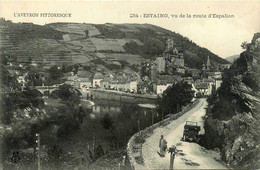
<point x="221" y="36"/>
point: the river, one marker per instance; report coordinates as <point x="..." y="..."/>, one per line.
<point x="109" y="126"/>
<point x="113" y="119"/>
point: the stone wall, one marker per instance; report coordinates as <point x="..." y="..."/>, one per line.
<point x="134" y="149"/>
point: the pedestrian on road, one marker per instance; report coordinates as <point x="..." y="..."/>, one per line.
<point x="162" y="146"/>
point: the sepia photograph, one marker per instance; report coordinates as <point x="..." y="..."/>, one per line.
<point x="128" y="85"/>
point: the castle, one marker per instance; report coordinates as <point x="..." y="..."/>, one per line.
<point x="172" y="59"/>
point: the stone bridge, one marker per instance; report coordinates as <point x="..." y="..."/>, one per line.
<point x="48" y="89"/>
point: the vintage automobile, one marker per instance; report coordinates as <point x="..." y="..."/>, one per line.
<point x="191" y="131"/>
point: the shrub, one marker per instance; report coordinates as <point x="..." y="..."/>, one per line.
<point x="139" y="139"/>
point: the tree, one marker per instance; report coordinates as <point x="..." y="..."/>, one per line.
<point x="107" y="122"/>
<point x="65" y="68"/>
<point x="55" y="73"/>
<point x="69" y="94"/>
<point x="33" y="79"/>
<point x="174" y="97"/>
<point x="8" y="82"/>
<point x="245" y="45"/>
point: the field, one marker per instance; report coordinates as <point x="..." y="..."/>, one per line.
<point x="130" y="58"/>
<point x="80" y="58"/>
<point x="92" y="30"/>
<point x="115" y="45"/>
<point x="107" y="45"/>
<point x="70" y="28"/>
<point x="87" y="45"/>
<point x="80" y="29"/>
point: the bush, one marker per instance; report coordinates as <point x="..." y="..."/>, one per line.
<point x="139" y="160"/>
<point x="251" y="82"/>
<point x="139" y="139"/>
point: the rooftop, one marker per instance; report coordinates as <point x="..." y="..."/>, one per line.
<point x="202" y="86"/>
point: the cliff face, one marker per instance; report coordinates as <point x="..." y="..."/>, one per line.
<point x="234" y="112"/>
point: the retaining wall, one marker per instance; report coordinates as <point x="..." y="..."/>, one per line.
<point x="134" y="149"/>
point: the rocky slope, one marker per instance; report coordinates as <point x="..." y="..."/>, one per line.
<point x="232" y="121"/>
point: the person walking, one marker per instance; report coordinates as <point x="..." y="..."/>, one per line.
<point x="162" y="146"/>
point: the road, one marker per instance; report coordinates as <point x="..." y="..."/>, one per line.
<point x="192" y="155"/>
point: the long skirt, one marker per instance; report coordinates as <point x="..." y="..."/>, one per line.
<point x="163" y="150"/>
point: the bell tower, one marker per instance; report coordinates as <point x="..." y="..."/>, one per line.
<point x="208" y="64"/>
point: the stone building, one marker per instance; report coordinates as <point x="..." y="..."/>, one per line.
<point x="161" y="63"/>
<point x="174" y="57"/>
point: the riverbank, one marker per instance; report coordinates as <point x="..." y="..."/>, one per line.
<point x="119" y="96"/>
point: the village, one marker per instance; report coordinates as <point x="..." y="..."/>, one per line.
<point x="152" y="77"/>
<point x="83" y="95"/>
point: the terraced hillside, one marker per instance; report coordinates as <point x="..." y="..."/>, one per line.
<point x="70" y="43"/>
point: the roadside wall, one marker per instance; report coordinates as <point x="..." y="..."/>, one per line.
<point x="134" y="149"/>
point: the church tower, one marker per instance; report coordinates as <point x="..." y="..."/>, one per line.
<point x="208" y="64"/>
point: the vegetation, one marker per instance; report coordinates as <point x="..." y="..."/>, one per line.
<point x="154" y="39"/>
<point x="68" y="94"/>
<point x="55" y="75"/>
<point x="110" y="32"/>
<point x="27" y="31"/>
<point x="33" y="79"/>
<point x="55" y="72"/>
<point x="125" y="124"/>
<point x="233" y="112"/>
<point x="23" y="114"/>
<point x="8" y="82"/>
<point x="150" y="48"/>
<point x="174" y="97"/>
<point x="223" y="106"/>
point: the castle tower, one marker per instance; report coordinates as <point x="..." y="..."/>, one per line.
<point x="169" y="44"/>
<point x="161" y="63"/>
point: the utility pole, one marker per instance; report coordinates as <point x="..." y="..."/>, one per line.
<point x="38" y="148"/>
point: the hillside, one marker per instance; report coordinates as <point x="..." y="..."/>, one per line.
<point x="232" y="121"/>
<point x="79" y="43"/>
<point x="232" y="58"/>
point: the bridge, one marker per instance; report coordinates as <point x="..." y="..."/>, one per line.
<point x="49" y="89"/>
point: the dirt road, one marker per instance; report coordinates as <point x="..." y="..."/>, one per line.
<point x="192" y="155"/>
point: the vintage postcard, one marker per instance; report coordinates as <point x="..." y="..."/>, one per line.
<point x="129" y="85"/>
